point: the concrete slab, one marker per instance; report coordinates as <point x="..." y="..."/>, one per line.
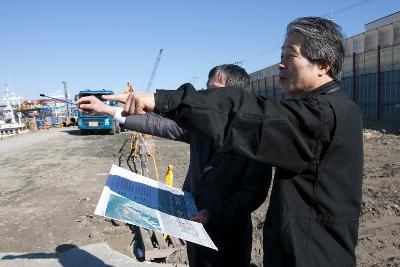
<point x="93" y="255"/>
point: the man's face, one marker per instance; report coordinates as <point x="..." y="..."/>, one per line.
<point x="297" y="75"/>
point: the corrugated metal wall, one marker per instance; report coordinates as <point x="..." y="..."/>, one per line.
<point x="371" y="73"/>
<point x="366" y="94"/>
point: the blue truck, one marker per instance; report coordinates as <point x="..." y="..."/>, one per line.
<point x="91" y="122"/>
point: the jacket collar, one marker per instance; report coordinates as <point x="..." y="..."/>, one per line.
<point x="325" y="89"/>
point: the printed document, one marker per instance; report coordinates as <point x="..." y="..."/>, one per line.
<point x="138" y="200"/>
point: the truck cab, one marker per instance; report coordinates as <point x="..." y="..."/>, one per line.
<point x="92" y="122"/>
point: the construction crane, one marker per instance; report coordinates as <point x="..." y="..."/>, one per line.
<point x="153" y="73"/>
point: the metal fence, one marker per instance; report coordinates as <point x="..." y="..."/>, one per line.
<point x="377" y="94"/>
<point x="372" y="79"/>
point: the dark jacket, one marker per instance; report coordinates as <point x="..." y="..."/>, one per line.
<point x="316" y="144"/>
<point x="229" y="186"/>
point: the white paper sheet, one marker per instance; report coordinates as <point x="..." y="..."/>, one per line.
<point x="138" y="200"/>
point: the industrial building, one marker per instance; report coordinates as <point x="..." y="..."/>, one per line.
<point x="371" y="70"/>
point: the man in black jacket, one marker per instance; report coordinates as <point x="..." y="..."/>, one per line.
<point x="226" y="187"/>
<point x="314" y="139"/>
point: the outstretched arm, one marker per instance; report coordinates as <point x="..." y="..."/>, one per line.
<point x="285" y="134"/>
<point x="135" y="103"/>
<point x="156" y="125"/>
<point x="264" y="129"/>
<point x="148" y="123"/>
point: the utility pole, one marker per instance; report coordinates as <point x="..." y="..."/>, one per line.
<point x="66" y="98"/>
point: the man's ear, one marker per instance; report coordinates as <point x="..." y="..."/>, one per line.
<point x="324" y="67"/>
<point x="219" y="80"/>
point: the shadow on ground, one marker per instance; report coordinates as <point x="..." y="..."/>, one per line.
<point x="67" y="254"/>
<point x="79" y="132"/>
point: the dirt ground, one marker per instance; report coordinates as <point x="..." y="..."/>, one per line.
<point x="51" y="180"/>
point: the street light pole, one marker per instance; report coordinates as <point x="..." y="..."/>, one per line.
<point x="66" y="98"/>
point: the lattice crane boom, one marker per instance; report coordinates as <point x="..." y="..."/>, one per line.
<point x="153" y="73"/>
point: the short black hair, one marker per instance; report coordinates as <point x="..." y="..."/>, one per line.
<point x="235" y="75"/>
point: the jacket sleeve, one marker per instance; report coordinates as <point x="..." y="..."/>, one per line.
<point x="282" y="133"/>
<point x="156" y="125"/>
<point x="253" y="191"/>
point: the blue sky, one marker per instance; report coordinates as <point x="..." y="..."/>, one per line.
<point x="98" y="44"/>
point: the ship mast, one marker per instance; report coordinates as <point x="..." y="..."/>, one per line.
<point x="9" y="114"/>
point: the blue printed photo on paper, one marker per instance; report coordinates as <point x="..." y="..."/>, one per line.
<point x="123" y="209"/>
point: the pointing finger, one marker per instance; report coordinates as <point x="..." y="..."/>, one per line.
<point x="85" y="99"/>
<point x="117" y="97"/>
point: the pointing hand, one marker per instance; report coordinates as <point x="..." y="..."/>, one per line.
<point x="139" y="103"/>
<point x="93" y="104"/>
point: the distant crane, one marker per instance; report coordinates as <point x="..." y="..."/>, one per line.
<point x="153" y="73"/>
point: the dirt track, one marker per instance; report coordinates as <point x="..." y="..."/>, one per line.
<point x="50" y="182"/>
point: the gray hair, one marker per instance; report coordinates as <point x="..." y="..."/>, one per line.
<point x="323" y="41"/>
<point x="235" y="75"/>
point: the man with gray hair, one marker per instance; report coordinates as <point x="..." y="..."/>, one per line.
<point x="314" y="139"/>
<point x="226" y="187"/>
